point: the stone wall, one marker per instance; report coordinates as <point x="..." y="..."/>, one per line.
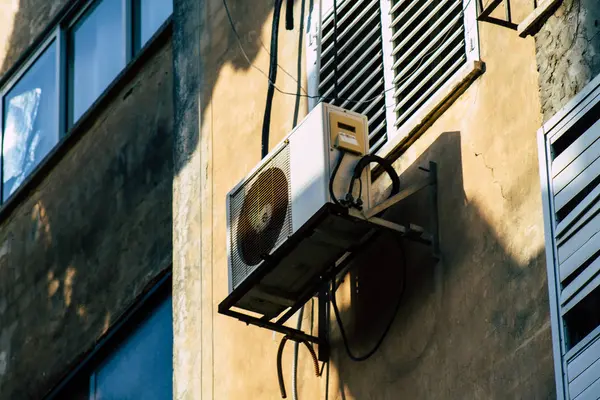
<point x="568" y="53"/>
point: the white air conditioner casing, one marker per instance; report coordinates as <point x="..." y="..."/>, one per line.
<point x="282" y="193"/>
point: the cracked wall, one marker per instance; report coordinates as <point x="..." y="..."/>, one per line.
<point x="568" y="53"/>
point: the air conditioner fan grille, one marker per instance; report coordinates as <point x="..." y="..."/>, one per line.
<point x="260" y="215"/>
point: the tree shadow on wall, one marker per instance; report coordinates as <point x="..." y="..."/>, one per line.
<point x="93" y="232"/>
<point x="473" y="325"/>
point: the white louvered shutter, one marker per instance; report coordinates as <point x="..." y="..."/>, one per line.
<point x="393" y="56"/>
<point x="570" y="168"/>
<point x="360" y="63"/>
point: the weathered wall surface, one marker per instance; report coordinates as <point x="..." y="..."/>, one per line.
<point x="474" y="326"/>
<point x="86" y="241"/>
<point x="21" y="21"/>
<point x="568" y="53"/>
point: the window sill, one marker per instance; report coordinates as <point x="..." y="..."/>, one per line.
<point x="532" y="23"/>
<point x="435" y="107"/>
<point x="86" y="121"/>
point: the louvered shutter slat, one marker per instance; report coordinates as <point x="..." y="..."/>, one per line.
<point x="422" y="63"/>
<point x="348" y="24"/>
<point x="428" y="48"/>
<point x="417" y="102"/>
<point x="433" y="69"/>
<point x="353" y="52"/>
<point x="350" y="69"/>
<point x="354" y="94"/>
<point x="404" y="27"/>
<point x="432" y="29"/>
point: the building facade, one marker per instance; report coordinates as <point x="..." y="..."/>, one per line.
<point x="125" y="123"/>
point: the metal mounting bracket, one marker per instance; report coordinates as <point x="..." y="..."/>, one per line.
<point x="372" y="222"/>
<point x="484" y="13"/>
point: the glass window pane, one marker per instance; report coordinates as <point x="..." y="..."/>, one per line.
<point x="151" y="14"/>
<point x="97" y="51"/>
<point x="142" y="366"/>
<point x="30" y="120"/>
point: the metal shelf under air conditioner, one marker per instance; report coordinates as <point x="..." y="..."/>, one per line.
<point x="341" y="234"/>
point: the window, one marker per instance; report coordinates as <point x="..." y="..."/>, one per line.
<point x="97" y="54"/>
<point x="30" y="120"/>
<point x="84" y="54"/>
<point x="395" y="58"/>
<point x="569" y="148"/>
<point x="135" y="361"/>
<point x="150" y="15"/>
<point x="142" y="366"/>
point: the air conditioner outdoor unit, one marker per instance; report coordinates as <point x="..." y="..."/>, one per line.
<point x="276" y="245"/>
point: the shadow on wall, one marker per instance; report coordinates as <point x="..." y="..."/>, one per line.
<point x="221" y="47"/>
<point x="474" y="325"/>
<point x="84" y="242"/>
<point x="32" y="14"/>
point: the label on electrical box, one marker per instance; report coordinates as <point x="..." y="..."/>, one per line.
<point x="346" y="138"/>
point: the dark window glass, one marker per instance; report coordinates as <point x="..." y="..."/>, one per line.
<point x="97" y="51"/>
<point x="30" y="121"/>
<point x="150" y="15"/>
<point x="141" y="367"/>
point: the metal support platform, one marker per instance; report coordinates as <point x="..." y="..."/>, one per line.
<point x="370" y="222"/>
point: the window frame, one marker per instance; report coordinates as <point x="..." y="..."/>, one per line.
<point x="10" y="84"/>
<point x="560" y="124"/>
<point x="69" y="52"/>
<point x="397" y="136"/>
<point x="142" y="307"/>
<point x="58" y="32"/>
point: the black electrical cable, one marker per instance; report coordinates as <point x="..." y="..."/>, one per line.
<point x="289" y="15"/>
<point x="379" y="342"/>
<point x="311" y="350"/>
<point x="272" y="78"/>
<point x="385" y="164"/>
<point x="332" y="178"/>
<point x="280" y="367"/>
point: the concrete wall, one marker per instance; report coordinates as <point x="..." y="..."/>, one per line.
<point x="475" y="325"/>
<point x="94" y="230"/>
<point x="568" y="53"/>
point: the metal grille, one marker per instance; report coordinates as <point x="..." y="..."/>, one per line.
<point x="428" y="48"/>
<point x="260" y="215"/>
<point x="360" y="64"/>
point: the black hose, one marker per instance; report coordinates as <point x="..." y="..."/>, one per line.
<point x="272" y="78"/>
<point x="379" y="342"/>
<point x="333" y="173"/>
<point x="311" y="350"/>
<point x="385" y="164"/>
<point x="280" y="367"/>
